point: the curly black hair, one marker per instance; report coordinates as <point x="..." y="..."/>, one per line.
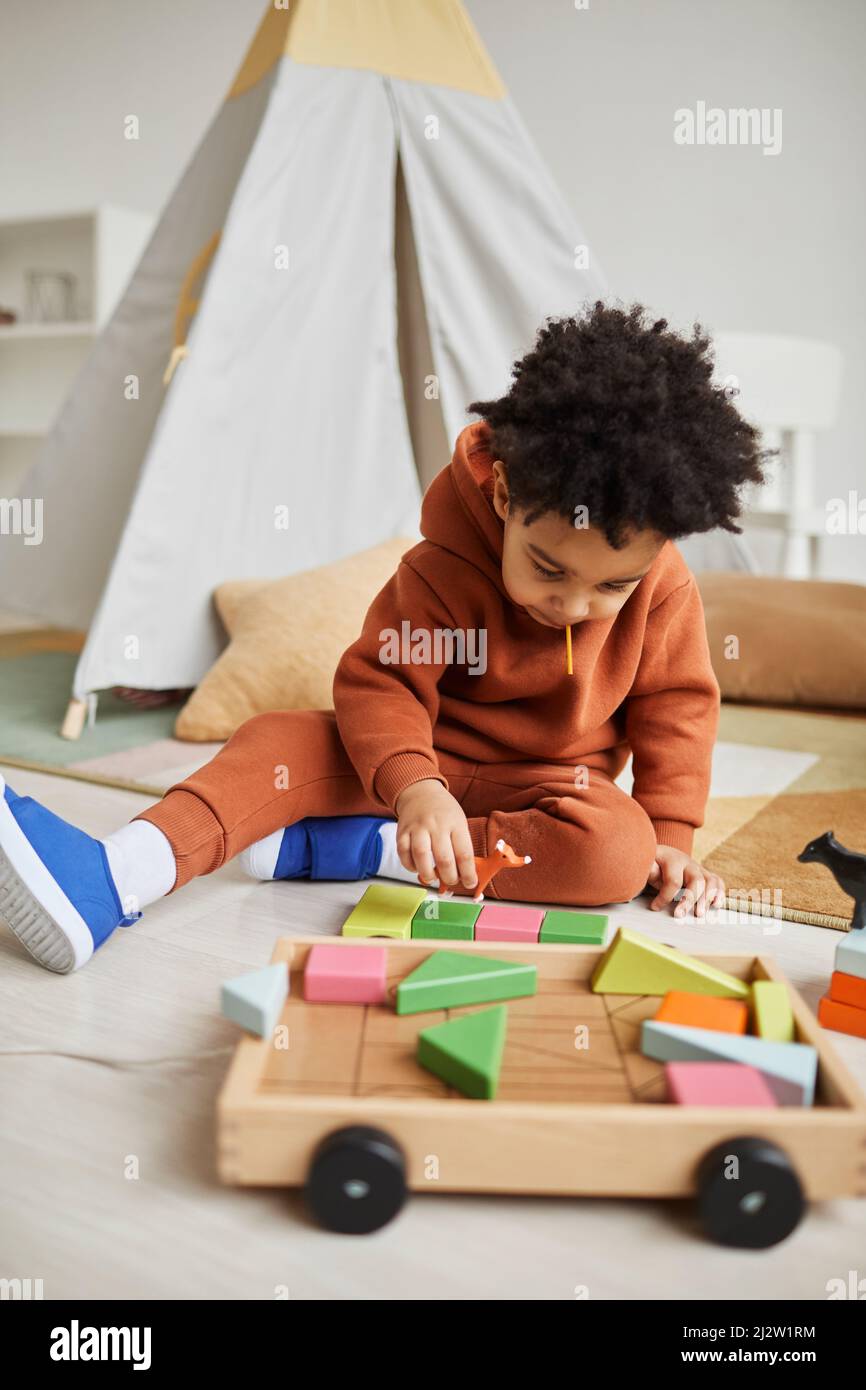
<point x="620" y="415"/>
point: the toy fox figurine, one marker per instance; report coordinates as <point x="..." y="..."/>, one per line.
<point x="503" y="857"/>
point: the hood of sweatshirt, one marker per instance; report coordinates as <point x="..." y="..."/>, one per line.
<point x="458" y="514"/>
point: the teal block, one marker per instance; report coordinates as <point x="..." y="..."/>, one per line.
<point x="851" y="954"/>
<point x="256" y="1000"/>
<point x="444" y="919"/>
<point x="581" y="928"/>
<point x="790" y="1069"/>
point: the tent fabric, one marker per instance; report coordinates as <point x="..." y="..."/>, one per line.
<point x="419" y="40"/>
<point x="495" y="239"/>
<point x="89" y="468"/>
<point x="290" y="397"/>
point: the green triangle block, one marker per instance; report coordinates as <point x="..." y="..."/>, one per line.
<point x="450" y="979"/>
<point x="466" y="1052"/>
<point x="584" y="928"/>
<point x="256" y="1000"/>
<point x="385" y="909"/>
<point x="445" y="919"/>
<point x="638" y="964"/>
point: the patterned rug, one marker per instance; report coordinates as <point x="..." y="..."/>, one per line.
<point x="780" y="776"/>
<point x="36" y="671"/>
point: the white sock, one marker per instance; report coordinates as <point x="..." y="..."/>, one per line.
<point x="260" y="860"/>
<point x="390" y="866"/>
<point x="142" y="864"/>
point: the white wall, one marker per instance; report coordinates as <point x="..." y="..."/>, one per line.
<point x="723" y="234"/>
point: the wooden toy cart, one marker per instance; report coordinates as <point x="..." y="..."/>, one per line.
<point x="338" y="1104"/>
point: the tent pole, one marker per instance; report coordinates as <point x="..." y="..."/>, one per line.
<point x="73" y="722"/>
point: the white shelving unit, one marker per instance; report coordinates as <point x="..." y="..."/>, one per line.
<point x="790" y="388"/>
<point x="39" y="360"/>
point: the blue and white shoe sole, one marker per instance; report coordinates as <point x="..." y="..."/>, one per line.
<point x="34" y="905"/>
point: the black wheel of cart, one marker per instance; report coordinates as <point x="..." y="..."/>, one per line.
<point x="749" y="1194"/>
<point x="357" y="1180"/>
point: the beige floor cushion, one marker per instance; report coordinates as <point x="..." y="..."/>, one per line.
<point x="287" y="636"/>
<point x="787" y="641"/>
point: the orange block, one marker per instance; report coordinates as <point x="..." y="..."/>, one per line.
<point x="847" y="989"/>
<point x="842" y="1018"/>
<point x="704" y="1011"/>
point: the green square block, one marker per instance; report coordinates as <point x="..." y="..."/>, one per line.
<point x="443" y="919"/>
<point x="582" y="928"/>
<point x="384" y="910"/>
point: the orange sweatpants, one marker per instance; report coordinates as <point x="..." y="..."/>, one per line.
<point x="589" y="845"/>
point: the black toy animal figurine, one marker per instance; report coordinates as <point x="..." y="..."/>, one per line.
<point x="847" y="867"/>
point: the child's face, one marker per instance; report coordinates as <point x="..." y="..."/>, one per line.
<point x="562" y="574"/>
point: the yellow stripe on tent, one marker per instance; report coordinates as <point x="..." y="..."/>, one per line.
<point x="418" y="40"/>
<point x="187" y="305"/>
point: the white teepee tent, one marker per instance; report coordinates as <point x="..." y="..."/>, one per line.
<point x="364" y="242"/>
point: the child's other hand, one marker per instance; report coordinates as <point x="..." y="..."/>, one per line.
<point x="433" y="839"/>
<point x="672" y="870"/>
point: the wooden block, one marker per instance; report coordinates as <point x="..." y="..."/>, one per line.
<point x="790" y="1069"/>
<point x="772" y="1011"/>
<point x="583" y="928"/>
<point x="445" y="919"/>
<point x="466" y="1052"/>
<point x="848" y="989"/>
<point x="842" y="1018"/>
<point x="716" y="1083"/>
<point x="851" y="954"/>
<point x="345" y="975"/>
<point x="255" y="1000"/>
<point x="385" y="909"/>
<point x="449" y="979"/>
<point x="704" y="1011"/>
<point x="636" y="964"/>
<point x="503" y="922"/>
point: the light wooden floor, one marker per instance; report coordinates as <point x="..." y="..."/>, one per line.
<point x="121" y="1063"/>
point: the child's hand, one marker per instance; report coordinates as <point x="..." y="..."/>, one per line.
<point x="433" y="837"/>
<point x="673" y="870"/>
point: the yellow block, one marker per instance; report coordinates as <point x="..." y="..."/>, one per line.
<point x="772" y="1011"/>
<point x="418" y="40"/>
<point x="636" y="964"/>
<point x="385" y="910"/>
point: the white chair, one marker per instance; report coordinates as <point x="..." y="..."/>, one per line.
<point x="789" y="388"/>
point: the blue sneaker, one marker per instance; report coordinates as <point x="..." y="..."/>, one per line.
<point x="56" y="889"/>
<point x="335" y="847"/>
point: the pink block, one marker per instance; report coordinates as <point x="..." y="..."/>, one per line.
<point x="345" y="975"/>
<point x="716" y="1083"/>
<point x="502" y="922"/>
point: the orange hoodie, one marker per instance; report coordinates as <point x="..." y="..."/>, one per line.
<point x="446" y="660"/>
